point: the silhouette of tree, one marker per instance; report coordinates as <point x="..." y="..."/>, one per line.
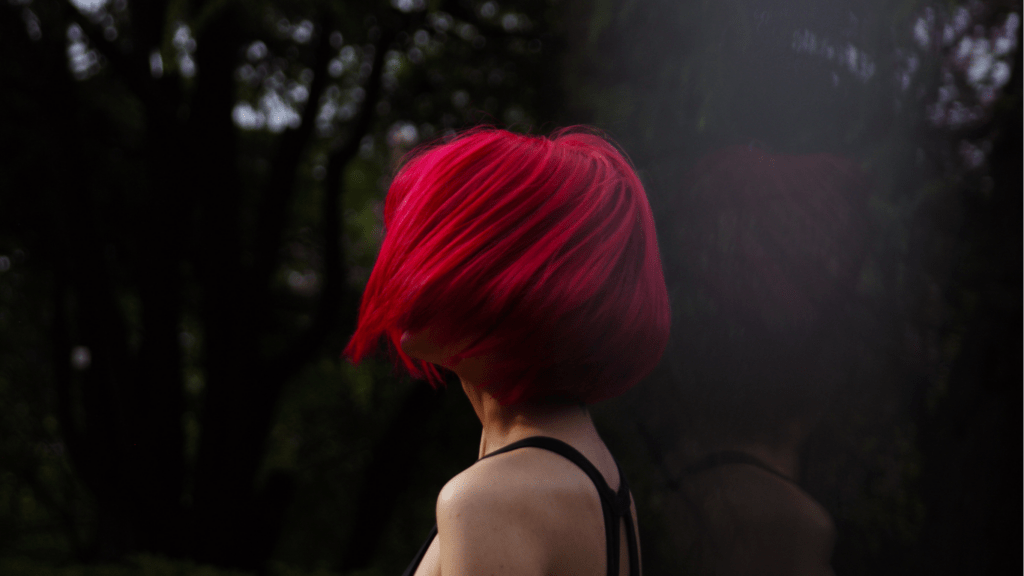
<point x="188" y="214"/>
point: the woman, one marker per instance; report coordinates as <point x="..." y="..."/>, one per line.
<point x="529" y="267"/>
<point x="768" y="248"/>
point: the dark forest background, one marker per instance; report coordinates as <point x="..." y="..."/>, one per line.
<point x="190" y="198"/>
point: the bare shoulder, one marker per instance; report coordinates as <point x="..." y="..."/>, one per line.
<point x="519" y="478"/>
<point x="525" y="487"/>
<point x="480" y="487"/>
<point x="761" y="523"/>
<point x="501" y="515"/>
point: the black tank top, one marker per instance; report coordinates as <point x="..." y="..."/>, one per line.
<point x="614" y="505"/>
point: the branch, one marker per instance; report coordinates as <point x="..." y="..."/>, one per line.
<point x="149" y="18"/>
<point x="335" y="292"/>
<point x="273" y="213"/>
<point x="361" y="127"/>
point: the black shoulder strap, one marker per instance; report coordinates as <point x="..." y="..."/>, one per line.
<point x="614" y="505"/>
<point x="716" y="459"/>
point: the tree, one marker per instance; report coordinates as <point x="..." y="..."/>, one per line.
<point x="188" y="195"/>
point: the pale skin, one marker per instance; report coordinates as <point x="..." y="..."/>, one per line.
<point x="528" y="511"/>
<point x="754" y="522"/>
<point x="782" y="529"/>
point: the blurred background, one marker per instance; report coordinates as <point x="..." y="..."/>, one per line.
<point x="190" y="204"/>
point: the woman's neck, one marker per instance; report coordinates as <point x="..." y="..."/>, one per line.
<point x="503" y="425"/>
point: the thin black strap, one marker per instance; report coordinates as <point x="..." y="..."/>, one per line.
<point x="626" y="511"/>
<point x="614" y="505"/>
<point x="631" y="546"/>
<point x="411" y="569"/>
<point x="716" y="459"/>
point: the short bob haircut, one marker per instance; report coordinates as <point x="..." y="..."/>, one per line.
<point x="539" y="251"/>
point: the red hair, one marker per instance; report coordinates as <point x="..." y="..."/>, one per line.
<point x="773" y="237"/>
<point x="764" y="253"/>
<point x="540" y="250"/>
